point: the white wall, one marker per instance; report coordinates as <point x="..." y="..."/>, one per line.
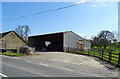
<point x="71" y="39"/>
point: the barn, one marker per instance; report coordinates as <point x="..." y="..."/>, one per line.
<point x="10" y="41"/>
<point x="58" y="41"/>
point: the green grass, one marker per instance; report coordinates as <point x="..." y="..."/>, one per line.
<point x="105" y="57"/>
<point x="12" y="54"/>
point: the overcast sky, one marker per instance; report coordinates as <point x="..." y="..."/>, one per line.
<point x="86" y="19"/>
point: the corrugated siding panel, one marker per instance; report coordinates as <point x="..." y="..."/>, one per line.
<point x="71" y="40"/>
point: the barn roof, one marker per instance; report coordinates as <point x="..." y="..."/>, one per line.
<point x="49" y="34"/>
<point x="58" y="33"/>
<point x="2" y="35"/>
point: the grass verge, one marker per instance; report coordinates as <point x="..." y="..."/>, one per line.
<point x="12" y="54"/>
<point x="114" y="56"/>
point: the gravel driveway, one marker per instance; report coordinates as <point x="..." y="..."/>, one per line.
<point x="73" y="62"/>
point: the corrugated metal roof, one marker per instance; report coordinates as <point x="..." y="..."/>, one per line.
<point x="59" y="32"/>
<point x="49" y="34"/>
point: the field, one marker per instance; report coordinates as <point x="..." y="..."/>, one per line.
<point x="111" y="54"/>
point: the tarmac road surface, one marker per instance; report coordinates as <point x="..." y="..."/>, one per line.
<point x="16" y="67"/>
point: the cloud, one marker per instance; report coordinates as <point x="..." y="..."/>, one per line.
<point x="82" y="35"/>
<point x="55" y="0"/>
<point x="80" y="2"/>
<point x="94" y="5"/>
<point x="86" y="36"/>
<point x="103" y="4"/>
<point x="106" y="0"/>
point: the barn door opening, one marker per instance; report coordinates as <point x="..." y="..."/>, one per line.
<point x="47" y="44"/>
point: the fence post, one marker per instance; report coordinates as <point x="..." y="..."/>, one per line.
<point x="80" y="51"/>
<point x="102" y="53"/>
<point x="88" y="52"/>
<point x="68" y="49"/>
<point x="110" y="53"/>
<point x="119" y="60"/>
<point x="99" y="51"/>
<point x="94" y="51"/>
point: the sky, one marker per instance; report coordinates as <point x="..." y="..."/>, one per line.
<point x="86" y="19"/>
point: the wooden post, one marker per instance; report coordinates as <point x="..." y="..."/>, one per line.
<point x="119" y="60"/>
<point x="68" y="49"/>
<point x="94" y="51"/>
<point x="102" y="53"/>
<point x="110" y="53"/>
<point x="88" y="52"/>
<point x="99" y="52"/>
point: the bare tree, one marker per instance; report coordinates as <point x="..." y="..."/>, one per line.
<point x="106" y="35"/>
<point x="103" y="39"/>
<point x="23" y="31"/>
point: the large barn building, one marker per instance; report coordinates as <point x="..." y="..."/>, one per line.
<point x="59" y="41"/>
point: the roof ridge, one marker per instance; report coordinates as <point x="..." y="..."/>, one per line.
<point x="50" y="33"/>
<point x="2" y="35"/>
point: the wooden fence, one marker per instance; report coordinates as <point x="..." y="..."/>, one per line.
<point x="107" y="55"/>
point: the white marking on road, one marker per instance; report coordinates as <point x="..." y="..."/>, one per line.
<point x="59" y="60"/>
<point x="3" y="75"/>
<point x="68" y="69"/>
<point x="15" y="58"/>
<point x="5" y="56"/>
<point x="10" y="57"/>
<point x="29" y="61"/>
<point x="44" y="64"/>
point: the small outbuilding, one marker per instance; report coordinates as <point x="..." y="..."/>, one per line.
<point x="58" y="41"/>
<point x="11" y="41"/>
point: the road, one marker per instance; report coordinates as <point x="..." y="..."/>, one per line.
<point x="16" y="67"/>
